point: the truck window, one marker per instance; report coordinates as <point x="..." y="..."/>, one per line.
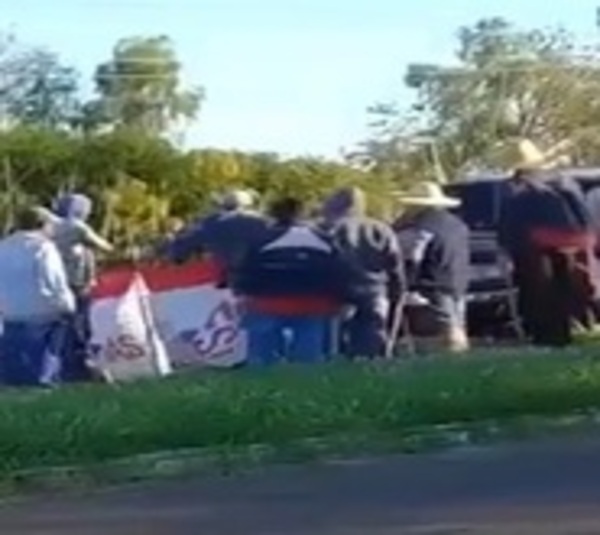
<point x="481" y="202"/>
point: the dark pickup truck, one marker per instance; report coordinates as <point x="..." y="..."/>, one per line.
<point x="482" y="198"/>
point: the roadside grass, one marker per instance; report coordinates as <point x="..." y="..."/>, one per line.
<point x="280" y="406"/>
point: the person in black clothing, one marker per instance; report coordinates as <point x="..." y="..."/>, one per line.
<point x="546" y="228"/>
<point x="436" y="250"/>
<point x="224" y="235"/>
<point x="373" y="251"/>
<point x="292" y="284"/>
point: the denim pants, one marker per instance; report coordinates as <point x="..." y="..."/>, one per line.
<point x="365" y="332"/>
<point x="75" y="368"/>
<point x="297" y="339"/>
<point x="31" y="354"/>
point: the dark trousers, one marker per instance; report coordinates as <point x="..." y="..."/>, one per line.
<point x="553" y="290"/>
<point x="75" y="368"/>
<point x="32" y="354"/>
<point x="365" y="332"/>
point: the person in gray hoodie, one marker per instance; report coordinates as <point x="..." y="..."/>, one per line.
<point x="373" y="249"/>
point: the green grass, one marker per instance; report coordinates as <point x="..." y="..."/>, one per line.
<point x="280" y="406"/>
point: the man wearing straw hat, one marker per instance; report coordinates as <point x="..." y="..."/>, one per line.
<point x="436" y="248"/>
<point x="546" y="228"/>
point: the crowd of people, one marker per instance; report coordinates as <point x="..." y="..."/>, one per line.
<point x="339" y="283"/>
<point x="309" y="288"/>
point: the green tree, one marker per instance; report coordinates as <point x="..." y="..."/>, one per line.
<point x="35" y="87"/>
<point x="140" y="87"/>
<point x="508" y="83"/>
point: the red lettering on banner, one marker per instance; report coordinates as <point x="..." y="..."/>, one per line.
<point x="124" y="347"/>
<point x="224" y="312"/>
<point x="218" y="335"/>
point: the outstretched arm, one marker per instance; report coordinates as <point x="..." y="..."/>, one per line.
<point x="93" y="239"/>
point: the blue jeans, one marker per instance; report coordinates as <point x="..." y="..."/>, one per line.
<point x="76" y="354"/>
<point x="365" y="332"/>
<point x="298" y="339"/>
<point x="31" y="354"/>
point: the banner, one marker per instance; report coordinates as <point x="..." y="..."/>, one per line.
<point x="196" y="323"/>
<point x="126" y="344"/>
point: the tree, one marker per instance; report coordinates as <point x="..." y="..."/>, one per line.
<point x="35" y="88"/>
<point x="139" y="87"/>
<point x="508" y="83"/>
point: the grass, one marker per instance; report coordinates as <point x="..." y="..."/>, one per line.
<point x="280" y="406"/>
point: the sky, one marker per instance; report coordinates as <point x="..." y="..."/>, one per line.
<point x="291" y="76"/>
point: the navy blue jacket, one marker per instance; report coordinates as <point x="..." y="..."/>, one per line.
<point x="374" y="252"/>
<point x="224" y="235"/>
<point x="536" y="204"/>
<point x="295" y="260"/>
<point x="436" y="252"/>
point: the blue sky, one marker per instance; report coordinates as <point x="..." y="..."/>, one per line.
<point x="293" y="76"/>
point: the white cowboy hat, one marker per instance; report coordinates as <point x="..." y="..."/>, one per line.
<point x="427" y="194"/>
<point x="531" y="158"/>
<point x="239" y="198"/>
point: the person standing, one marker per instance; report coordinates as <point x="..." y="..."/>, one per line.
<point x="36" y="304"/>
<point x="372" y="249"/>
<point x="547" y="230"/>
<point x="77" y="243"/>
<point x="436" y="248"/>
<point x="224" y="235"/>
<point x="292" y="284"/>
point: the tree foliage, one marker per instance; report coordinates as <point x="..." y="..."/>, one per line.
<point x="142" y="183"/>
<point x="507" y="83"/>
<point x="35" y="87"/>
<point x="140" y="87"/>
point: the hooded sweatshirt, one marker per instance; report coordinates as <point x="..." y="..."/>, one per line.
<point x="368" y="243"/>
<point x="75" y="239"/>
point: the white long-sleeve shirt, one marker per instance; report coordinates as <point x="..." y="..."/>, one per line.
<point x="33" y="280"/>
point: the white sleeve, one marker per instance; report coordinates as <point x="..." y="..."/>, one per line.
<point x="414" y="244"/>
<point x="47" y="215"/>
<point x="52" y="279"/>
<point x="91" y="238"/>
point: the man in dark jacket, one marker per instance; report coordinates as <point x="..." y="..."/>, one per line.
<point x="374" y="253"/>
<point x="436" y="248"/>
<point x="225" y="235"/>
<point x="547" y="230"/>
<point x="291" y="283"/>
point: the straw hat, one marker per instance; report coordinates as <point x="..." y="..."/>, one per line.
<point x="427" y="194"/>
<point x="239" y="199"/>
<point x="531" y="158"/>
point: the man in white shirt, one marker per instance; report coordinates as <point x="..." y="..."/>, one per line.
<point x="35" y="301"/>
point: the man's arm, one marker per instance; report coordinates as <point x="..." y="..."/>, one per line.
<point x="185" y="244"/>
<point x="47" y="215"/>
<point x="93" y="239"/>
<point x="52" y="279"/>
<point x="395" y="268"/>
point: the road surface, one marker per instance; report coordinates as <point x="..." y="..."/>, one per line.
<point x="526" y="489"/>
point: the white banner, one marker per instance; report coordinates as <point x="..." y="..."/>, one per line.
<point x="139" y="317"/>
<point x="125" y="340"/>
